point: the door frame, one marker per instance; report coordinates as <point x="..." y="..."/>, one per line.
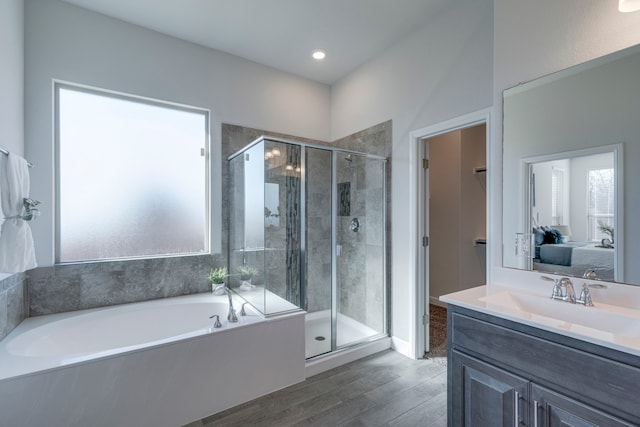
<point x="419" y="215"/>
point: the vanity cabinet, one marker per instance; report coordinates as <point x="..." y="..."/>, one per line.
<point x="504" y="373"/>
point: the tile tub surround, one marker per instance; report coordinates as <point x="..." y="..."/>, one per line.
<point x="71" y="287"/>
<point x="13" y="303"/>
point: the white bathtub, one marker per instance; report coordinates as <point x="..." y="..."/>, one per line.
<point x="157" y="363"/>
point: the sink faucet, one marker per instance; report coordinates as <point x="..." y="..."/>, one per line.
<point x="231" y="317"/>
<point x="562" y="289"/>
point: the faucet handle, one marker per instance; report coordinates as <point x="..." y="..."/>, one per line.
<point x="585" y="296"/>
<point x="556" y="293"/>
<point x="217" y="323"/>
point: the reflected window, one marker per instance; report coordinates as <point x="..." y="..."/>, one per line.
<point x="132" y="176"/>
<point x="601" y="201"/>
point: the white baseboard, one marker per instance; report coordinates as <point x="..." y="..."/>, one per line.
<point x="401" y="346"/>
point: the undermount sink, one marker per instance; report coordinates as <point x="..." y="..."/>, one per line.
<point x="619" y="321"/>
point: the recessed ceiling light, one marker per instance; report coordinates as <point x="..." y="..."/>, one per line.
<point x="629" y="5"/>
<point x="319" y="54"/>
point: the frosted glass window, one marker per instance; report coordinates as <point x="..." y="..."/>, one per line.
<point x="132" y="177"/>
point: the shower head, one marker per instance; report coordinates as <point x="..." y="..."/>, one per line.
<point x="348" y="158"/>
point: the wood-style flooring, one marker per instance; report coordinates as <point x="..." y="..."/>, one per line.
<point x="385" y="389"/>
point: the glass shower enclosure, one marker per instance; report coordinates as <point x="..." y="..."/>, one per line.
<point x="307" y="231"/>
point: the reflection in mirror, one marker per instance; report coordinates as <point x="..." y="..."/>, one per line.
<point x="571" y="212"/>
<point x="566" y="183"/>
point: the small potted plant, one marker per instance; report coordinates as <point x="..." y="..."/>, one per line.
<point x="216" y="277"/>
<point x="608" y="230"/>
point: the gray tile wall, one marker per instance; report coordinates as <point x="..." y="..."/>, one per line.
<point x="13" y="303"/>
<point x="362" y="291"/>
<point x="72" y="287"/>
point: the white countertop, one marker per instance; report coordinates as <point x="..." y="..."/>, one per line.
<point x="612" y="326"/>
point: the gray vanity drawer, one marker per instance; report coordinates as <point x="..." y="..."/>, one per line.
<point x="594" y="379"/>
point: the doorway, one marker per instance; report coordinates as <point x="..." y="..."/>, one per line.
<point x="458" y="171"/>
<point x="455" y="208"/>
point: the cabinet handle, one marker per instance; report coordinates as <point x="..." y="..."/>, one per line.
<point x="536" y="406"/>
<point x="516" y="409"/>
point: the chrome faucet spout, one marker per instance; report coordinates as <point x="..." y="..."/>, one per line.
<point x="570" y="293"/>
<point x="231" y="317"/>
<point x="562" y="289"/>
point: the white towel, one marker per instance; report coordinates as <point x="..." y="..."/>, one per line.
<point x="15" y="185"/>
<point x="17" y="251"/>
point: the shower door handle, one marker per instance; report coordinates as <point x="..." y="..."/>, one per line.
<point x="338" y="250"/>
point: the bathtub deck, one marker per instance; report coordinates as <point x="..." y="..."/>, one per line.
<point x="384" y="389"/>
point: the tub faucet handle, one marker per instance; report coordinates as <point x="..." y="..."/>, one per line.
<point x="217" y="323"/>
<point x="242" y="311"/>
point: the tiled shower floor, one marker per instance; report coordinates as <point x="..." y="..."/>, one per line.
<point x="318" y="332"/>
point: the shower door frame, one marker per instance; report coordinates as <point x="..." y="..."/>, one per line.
<point x="334" y="220"/>
<point x="334" y="252"/>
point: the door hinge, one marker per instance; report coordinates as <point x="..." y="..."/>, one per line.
<point x="425" y="319"/>
<point x="425" y="163"/>
<point x="425" y="241"/>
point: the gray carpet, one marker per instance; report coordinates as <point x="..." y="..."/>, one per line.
<point x="437" y="334"/>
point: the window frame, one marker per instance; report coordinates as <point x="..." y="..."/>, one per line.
<point x="206" y="153"/>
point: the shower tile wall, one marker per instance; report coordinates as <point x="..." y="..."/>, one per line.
<point x="362" y="252"/>
<point x="360" y="264"/>
<point x="13" y="303"/>
<point x="234" y="138"/>
<point x="318" y="230"/>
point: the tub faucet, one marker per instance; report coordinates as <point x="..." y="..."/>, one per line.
<point x="231" y="317"/>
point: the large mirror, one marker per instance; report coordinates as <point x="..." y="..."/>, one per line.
<point x="571" y="144"/>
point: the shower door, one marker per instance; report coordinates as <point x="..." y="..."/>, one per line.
<point x="359" y="311"/>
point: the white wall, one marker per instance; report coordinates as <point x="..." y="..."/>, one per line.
<point x="532" y="39"/>
<point x="11" y="80"/>
<point x="439" y="72"/>
<point x="69" y="43"/>
<point x="12" y="75"/>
